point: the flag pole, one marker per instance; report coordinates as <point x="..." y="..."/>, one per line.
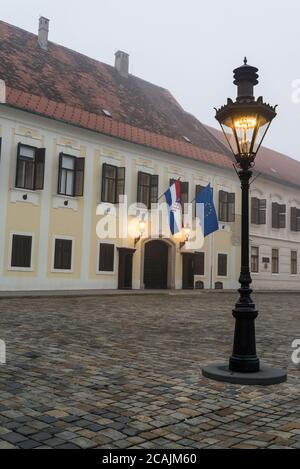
<point x="211" y="259"/>
<point x="212" y="254"/>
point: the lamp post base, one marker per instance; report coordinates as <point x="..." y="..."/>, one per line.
<point x="265" y="377"/>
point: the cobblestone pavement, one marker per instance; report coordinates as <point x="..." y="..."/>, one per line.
<point x="124" y="372"/>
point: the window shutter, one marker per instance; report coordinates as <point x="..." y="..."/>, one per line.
<point x="139" y="187"/>
<point x="184" y="192"/>
<point x="222" y="265"/>
<point x="104" y="171"/>
<point x="298" y="219"/>
<point x="275" y="261"/>
<point x="39" y="168"/>
<point x="79" y="177"/>
<point x="60" y="160"/>
<point x="222" y="205"/>
<point x="254" y="211"/>
<point x="275" y="223"/>
<point x="282" y="212"/>
<point x="106" y="257"/>
<point x="199" y="263"/>
<point x="294" y="213"/>
<point x="231" y="207"/>
<point x="154" y="189"/>
<point x="18" y="164"/>
<point x="120" y="183"/>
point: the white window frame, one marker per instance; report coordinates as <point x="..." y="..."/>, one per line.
<point x="105" y="272"/>
<point x="63" y="271"/>
<point x="21" y="269"/>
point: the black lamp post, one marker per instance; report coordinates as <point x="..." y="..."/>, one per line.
<point x="245" y="123"/>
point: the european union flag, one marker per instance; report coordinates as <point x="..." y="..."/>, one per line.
<point x="210" y="222"/>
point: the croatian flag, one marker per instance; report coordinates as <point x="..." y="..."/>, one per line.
<point x="173" y="199"/>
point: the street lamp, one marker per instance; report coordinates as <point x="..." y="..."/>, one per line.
<point x="245" y="123"/>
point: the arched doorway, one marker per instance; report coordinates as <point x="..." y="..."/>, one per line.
<point x="156" y="262"/>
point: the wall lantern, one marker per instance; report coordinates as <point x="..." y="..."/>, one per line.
<point x="141" y="231"/>
<point x="187" y="234"/>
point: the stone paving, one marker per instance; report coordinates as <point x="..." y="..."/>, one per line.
<point x="124" y="372"/>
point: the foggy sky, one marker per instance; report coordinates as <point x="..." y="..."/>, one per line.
<point x="189" y="47"/>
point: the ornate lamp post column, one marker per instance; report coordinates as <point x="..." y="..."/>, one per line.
<point x="245" y="123"/>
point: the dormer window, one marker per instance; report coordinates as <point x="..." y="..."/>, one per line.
<point x="30" y="167"/>
<point x="106" y="113"/>
<point x="187" y="139"/>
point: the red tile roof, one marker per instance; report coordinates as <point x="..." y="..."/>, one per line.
<point x="65" y="85"/>
<point x="108" y="126"/>
<point x="64" y="76"/>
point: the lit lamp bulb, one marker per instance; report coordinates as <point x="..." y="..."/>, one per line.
<point x="187" y="233"/>
<point x="244" y="127"/>
<point x="142" y="226"/>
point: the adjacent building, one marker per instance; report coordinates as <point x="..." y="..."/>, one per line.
<point x="76" y="134"/>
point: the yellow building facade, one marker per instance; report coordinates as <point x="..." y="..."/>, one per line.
<point x="46" y="216"/>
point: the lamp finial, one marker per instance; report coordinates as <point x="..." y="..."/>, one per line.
<point x="245" y="60"/>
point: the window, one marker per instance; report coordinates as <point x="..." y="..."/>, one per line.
<point x="199" y="263"/>
<point x="226" y="206"/>
<point x="184" y="188"/>
<point x="222" y="265"/>
<point x="113" y="183"/>
<point x="295" y="219"/>
<point x="30" y="167"/>
<point x="254" y="259"/>
<point x="278" y="215"/>
<point x="21" y="251"/>
<point x="106" y="257"/>
<point x="258" y="211"/>
<point x="70" y="175"/>
<point x="200" y="189"/>
<point x="63" y="254"/>
<point x="294" y="262"/>
<point x="275" y="261"/>
<point x="147" y="191"/>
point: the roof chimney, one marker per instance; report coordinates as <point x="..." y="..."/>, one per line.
<point x="122" y="63"/>
<point x="43" y="32"/>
